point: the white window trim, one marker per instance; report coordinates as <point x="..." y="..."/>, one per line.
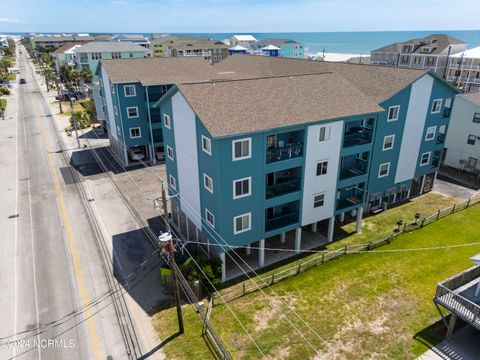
<point x="398" y="113"/>
<point x="316" y="167"/>
<point x="249" y="188"/>
<point x="205" y="176"/>
<point x="206" y="218"/>
<point x="380" y="169"/>
<point x="249" y="149"/>
<point x="168" y="155"/>
<point x="314" y="196"/>
<point x="393" y="142"/>
<point x="125" y="90"/>
<point x="174" y="185"/>
<point x="429" y="156"/>
<point x="434" y="132"/>
<point x="209" y="152"/>
<point x="139" y="132"/>
<point x="235" y="232"/>
<point x="439" y="107"/>
<point x="165" y="117"/>
<point x="132" y="107"/>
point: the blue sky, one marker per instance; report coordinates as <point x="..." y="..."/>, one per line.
<point x="236" y="15"/>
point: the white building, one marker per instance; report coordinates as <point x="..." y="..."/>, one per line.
<point x="463" y="140"/>
<point x="464" y="70"/>
<point x="243" y="40"/>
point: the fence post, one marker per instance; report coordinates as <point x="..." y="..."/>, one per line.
<point x="468" y="202"/>
<point x="243" y="285"/>
<point x="423" y="222"/>
<point x="345" y="250"/>
<point x="438" y="214"/>
<point x="273" y="279"/>
<point x="404" y="226"/>
<point x="299" y="268"/>
<point x="453" y="208"/>
<point x="323" y="258"/>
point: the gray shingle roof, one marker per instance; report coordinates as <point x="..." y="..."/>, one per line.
<point x="243" y="106"/>
<point x="110" y="46"/>
<point x="441" y="42"/>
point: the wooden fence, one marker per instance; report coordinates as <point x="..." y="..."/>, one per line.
<point x="263" y="281"/>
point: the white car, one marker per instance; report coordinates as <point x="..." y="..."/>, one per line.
<point x="137" y="154"/>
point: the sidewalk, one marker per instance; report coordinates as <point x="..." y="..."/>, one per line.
<point x="126" y="238"/>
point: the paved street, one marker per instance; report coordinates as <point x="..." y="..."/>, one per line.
<point x="51" y="270"/>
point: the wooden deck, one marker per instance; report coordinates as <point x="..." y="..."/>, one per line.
<point x="457" y="294"/>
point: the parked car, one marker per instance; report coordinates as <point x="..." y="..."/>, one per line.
<point x="14" y="71"/>
<point x="23" y="81"/>
<point x="137" y="154"/>
<point x="62" y="97"/>
<point x="5" y="82"/>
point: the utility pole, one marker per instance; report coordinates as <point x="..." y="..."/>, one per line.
<point x="74" y="120"/>
<point x="166" y="240"/>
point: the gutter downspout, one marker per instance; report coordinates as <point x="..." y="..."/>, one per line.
<point x="447" y="63"/>
<point x="152" y="149"/>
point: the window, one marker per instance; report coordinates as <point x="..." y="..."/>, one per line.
<point x="96" y="56"/>
<point x="383" y="170"/>
<point x="430" y="60"/>
<point x="417" y="60"/>
<point x="322" y="168"/>
<point x="208" y="183"/>
<point x="166" y="121"/>
<point x="436" y="106"/>
<point x="132" y="112"/>
<point x="116" y="55"/>
<point x="206" y="145"/>
<point x="135" y="133"/>
<point x="173" y="182"/>
<point x="318" y="200"/>
<point x="388" y="142"/>
<point x="241" y="223"/>
<point x="242" y="149"/>
<point x="170" y="152"/>
<point x="425" y="159"/>
<point x="471" y="139"/>
<point x="476" y="118"/>
<point x="209" y="218"/>
<point x="324" y="133"/>
<point x="430" y="133"/>
<point x="129" y="90"/>
<point x="393" y="112"/>
<point x="115" y="110"/>
<point x="242" y="188"/>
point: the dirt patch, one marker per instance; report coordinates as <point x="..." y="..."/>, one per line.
<point x="265" y="315"/>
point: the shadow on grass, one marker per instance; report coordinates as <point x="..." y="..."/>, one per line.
<point x="159" y="346"/>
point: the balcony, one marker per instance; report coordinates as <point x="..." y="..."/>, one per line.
<point x="282" y="216"/>
<point x="446" y="112"/>
<point x="285" y="146"/>
<point x="357" y="136"/>
<point x="349" y="196"/>
<point x="440" y="138"/>
<point x="354" y="165"/>
<point x="283" y="182"/>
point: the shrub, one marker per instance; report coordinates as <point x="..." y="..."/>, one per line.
<point x="83" y="120"/>
<point x="4" y="90"/>
<point x="212" y="267"/>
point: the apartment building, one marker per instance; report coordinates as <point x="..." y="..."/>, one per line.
<point x="432" y="52"/>
<point x="247" y="41"/>
<point x="65" y="54"/>
<point x="285" y="144"/>
<point x="56" y="41"/>
<point x="462" y="149"/>
<point x="464" y="70"/>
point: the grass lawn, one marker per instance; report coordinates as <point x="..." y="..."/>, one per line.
<point x="3" y="104"/>
<point x="369" y="305"/>
<point x="12" y="77"/>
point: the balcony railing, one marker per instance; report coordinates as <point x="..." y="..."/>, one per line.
<point x="446" y="112"/>
<point x="348" y="201"/>
<point x="286" y="152"/>
<point x="283" y="187"/>
<point x="361" y="137"/>
<point x="352" y="171"/>
<point x="281" y="221"/>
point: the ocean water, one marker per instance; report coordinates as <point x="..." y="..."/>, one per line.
<point x="356" y="42"/>
<point x="360" y="42"/>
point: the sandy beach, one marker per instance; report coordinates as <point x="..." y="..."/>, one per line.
<point x="339" y="57"/>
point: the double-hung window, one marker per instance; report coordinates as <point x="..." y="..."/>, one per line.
<point x="471" y="139"/>
<point x="132" y="112"/>
<point x="209" y="218"/>
<point x="206" y="145"/>
<point x="318" y="200"/>
<point x="242" y="223"/>
<point x="388" y="142"/>
<point x="170" y="153"/>
<point x="383" y="170"/>
<point x="129" y="90"/>
<point x="430" y="133"/>
<point x="166" y="121"/>
<point x="324" y="134"/>
<point x="242" y="149"/>
<point x="242" y="187"/>
<point x="393" y="112"/>
<point x="208" y="183"/>
<point x="172" y="182"/>
<point x="135" y="133"/>
<point x="476" y="118"/>
<point x="425" y="159"/>
<point x="436" y="106"/>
